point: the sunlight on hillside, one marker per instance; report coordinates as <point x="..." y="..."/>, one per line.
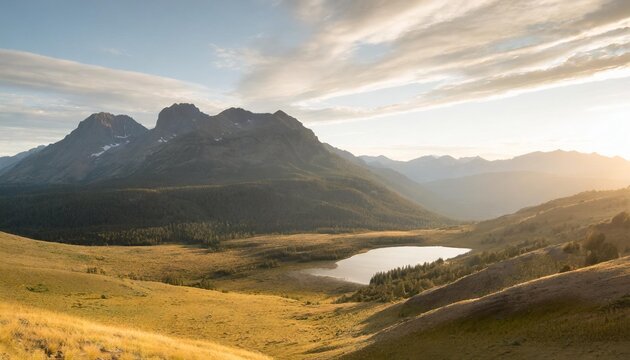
<point x="28" y="333"/>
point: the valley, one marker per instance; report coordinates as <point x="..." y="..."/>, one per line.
<point x="234" y="236"/>
<point x="314" y="180"/>
<point x="251" y="294"/>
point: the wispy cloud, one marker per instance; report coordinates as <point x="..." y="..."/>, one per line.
<point x="41" y="95"/>
<point x="471" y="50"/>
<point x="430" y="53"/>
<point x="236" y="58"/>
<point x="114" y="51"/>
<point x="60" y="87"/>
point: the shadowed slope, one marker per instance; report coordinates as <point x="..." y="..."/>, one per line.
<point x="587" y="308"/>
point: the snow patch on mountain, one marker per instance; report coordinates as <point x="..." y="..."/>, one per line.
<point x="107" y="147"/>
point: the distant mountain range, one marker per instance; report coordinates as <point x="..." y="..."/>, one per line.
<point x="258" y="172"/>
<point x="7" y="162"/>
<point x="476" y="189"/>
<point x="266" y="172"/>
<point x="560" y="163"/>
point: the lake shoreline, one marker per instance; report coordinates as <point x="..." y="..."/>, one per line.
<point x="360" y="268"/>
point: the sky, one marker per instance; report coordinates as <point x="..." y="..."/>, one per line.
<point x="398" y="78"/>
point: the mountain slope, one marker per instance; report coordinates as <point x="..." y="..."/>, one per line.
<point x="187" y="147"/>
<point x="489" y="195"/>
<point x="477" y="189"/>
<point x="71" y="158"/>
<point x="579" y="314"/>
<point x="209" y="212"/>
<point x="233" y="146"/>
<point x="236" y="171"/>
<point x="6" y="162"/>
<point x="559" y="163"/>
<point x="397" y="182"/>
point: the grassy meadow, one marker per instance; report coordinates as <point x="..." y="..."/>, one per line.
<point x="29" y="333"/>
<point x="250" y="296"/>
<point x="54" y="277"/>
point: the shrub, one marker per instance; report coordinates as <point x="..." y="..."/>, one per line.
<point x="571" y="248"/>
<point x="599" y="250"/>
<point x="594" y="241"/>
<point x="566" y="268"/>
<point x="621" y="219"/>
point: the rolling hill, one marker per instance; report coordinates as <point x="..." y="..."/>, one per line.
<point x="53" y="286"/>
<point x="519" y="305"/>
<point x="550" y="301"/>
<point x="580" y="314"/>
<point x="489" y="195"/>
<point x="30" y="333"/>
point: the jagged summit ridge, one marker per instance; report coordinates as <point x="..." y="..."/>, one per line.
<point x="178" y="118"/>
<point x="186" y="145"/>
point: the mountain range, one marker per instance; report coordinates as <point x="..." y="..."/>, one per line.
<point x="7" y="162"/>
<point x="562" y="163"/>
<point x="478" y="189"/>
<point x="253" y="172"/>
<point x="266" y="172"/>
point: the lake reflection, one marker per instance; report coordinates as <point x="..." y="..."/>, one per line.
<point x="361" y="267"/>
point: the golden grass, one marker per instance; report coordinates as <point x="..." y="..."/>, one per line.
<point x="29" y="333"/>
<point x="152" y="262"/>
<point x="241" y="258"/>
<point x="300" y="321"/>
<point x="273" y="325"/>
<point x="558" y="221"/>
<point x="580" y="314"/>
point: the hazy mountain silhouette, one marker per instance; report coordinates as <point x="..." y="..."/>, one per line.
<point x="6" y="162"/>
<point x="475" y="188"/>
<point x="562" y="163"/>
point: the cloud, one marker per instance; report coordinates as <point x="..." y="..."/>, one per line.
<point x="236" y="58"/>
<point x="470" y="50"/>
<point x="114" y="51"/>
<point x="72" y="87"/>
<point x="459" y="51"/>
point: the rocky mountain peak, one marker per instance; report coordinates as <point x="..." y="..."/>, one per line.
<point x="103" y="127"/>
<point x="179" y="118"/>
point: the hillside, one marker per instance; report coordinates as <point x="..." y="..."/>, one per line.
<point x="36" y="334"/>
<point x="490" y="195"/>
<point x="580" y="314"/>
<point x="69" y="159"/>
<point x="257" y="294"/>
<point x="259" y="308"/>
<point x="194" y="178"/>
<point x="560" y="220"/>
<point x="200" y="213"/>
